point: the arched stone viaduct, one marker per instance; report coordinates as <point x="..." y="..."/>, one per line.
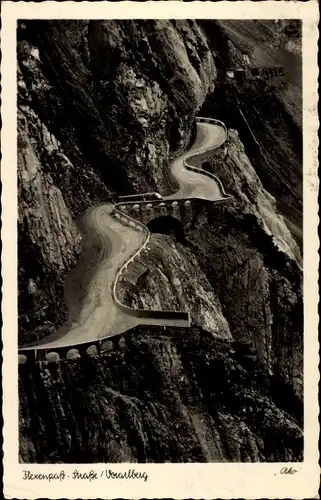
<point x="145" y="212"/>
<point x="56" y="354"/>
<point x="117" y="343"/>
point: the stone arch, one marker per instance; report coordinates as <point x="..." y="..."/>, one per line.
<point x="52" y="357"/>
<point x="73" y="354"/>
<point x="92" y="350"/>
<point x="167" y="224"/>
<point x="107" y="345"/>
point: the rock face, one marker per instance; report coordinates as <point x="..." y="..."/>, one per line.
<point x="102" y="106"/>
<point x="49" y="242"/>
<point x="240" y="179"/>
<point x="174" y="281"/>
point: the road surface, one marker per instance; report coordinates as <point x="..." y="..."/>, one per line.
<point x="192" y="184"/>
<point x="107" y="244"/>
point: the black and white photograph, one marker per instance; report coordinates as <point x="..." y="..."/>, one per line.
<point x="159" y="242"/>
<point x="160" y="237"/>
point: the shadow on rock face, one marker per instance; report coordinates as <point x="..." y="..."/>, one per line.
<point x="167" y="225"/>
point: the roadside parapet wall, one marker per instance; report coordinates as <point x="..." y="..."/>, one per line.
<point x="214" y="121"/>
<point x="154" y="195"/>
<point x="72" y="352"/>
<point x="101" y="347"/>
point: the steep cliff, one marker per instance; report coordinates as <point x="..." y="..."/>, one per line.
<point x="190" y="399"/>
<point x="49" y="242"/>
<point x="271" y="109"/>
<point x="102" y="106"/>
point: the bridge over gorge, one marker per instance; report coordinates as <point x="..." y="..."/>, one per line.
<point x="99" y="321"/>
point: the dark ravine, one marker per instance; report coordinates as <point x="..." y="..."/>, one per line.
<point x="96" y="121"/>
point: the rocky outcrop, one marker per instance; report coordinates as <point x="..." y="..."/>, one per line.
<point x="174" y="281"/>
<point x="231" y="164"/>
<point x="49" y="242"/>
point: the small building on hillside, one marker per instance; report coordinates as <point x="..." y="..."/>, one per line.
<point x="240" y="75"/>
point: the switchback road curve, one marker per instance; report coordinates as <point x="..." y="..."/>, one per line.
<point x="94" y="310"/>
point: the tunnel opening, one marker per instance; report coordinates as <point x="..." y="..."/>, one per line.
<point x="168" y="225"/>
<point x="255" y="72"/>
